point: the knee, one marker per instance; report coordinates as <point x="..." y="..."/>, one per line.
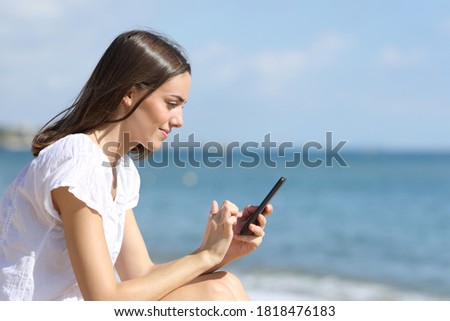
<point x="231" y="280"/>
<point x="225" y="286"/>
<point x="219" y="289"/>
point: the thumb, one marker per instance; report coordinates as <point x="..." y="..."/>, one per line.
<point x="214" y="207"/>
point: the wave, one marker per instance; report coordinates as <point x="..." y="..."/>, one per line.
<point x="293" y="286"/>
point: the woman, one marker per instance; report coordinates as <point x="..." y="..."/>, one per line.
<point x="67" y="222"/>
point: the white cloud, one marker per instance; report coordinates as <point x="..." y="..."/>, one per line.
<point x="327" y="47"/>
<point x="277" y="68"/>
<point x="393" y="56"/>
<point x="43" y="9"/>
<point x="271" y="68"/>
<point x="38" y="18"/>
<point x="444" y="26"/>
<point x="219" y="61"/>
<point x="212" y="51"/>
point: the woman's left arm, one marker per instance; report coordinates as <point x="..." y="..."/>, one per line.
<point x="133" y="260"/>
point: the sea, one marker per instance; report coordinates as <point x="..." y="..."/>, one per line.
<point x="376" y="227"/>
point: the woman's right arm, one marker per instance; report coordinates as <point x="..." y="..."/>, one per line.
<point x="93" y="268"/>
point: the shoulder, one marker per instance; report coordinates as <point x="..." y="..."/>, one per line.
<point x="71" y="148"/>
<point x="71" y="145"/>
<point x="77" y="163"/>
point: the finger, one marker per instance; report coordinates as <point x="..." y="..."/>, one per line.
<point x="258" y="231"/>
<point x="232" y="220"/>
<point x="250" y="209"/>
<point x="262" y="221"/>
<point x="229" y="209"/>
<point x="252" y="240"/>
<point x="214" y="207"/>
<point x="214" y="211"/>
<point x="223" y="213"/>
<point x="267" y="210"/>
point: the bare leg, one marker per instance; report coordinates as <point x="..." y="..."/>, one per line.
<point x="217" y="286"/>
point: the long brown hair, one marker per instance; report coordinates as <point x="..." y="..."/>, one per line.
<point x="135" y="58"/>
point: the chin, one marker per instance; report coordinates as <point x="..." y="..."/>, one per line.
<point x="153" y="146"/>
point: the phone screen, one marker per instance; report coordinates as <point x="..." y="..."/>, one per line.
<point x="254" y="218"/>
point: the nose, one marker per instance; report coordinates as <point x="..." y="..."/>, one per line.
<point x="177" y="119"/>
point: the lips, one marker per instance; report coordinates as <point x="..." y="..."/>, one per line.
<point x="165" y="132"/>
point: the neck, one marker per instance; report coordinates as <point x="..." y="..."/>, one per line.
<point x="112" y="140"/>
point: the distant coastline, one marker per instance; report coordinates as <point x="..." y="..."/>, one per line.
<point x="17" y="137"/>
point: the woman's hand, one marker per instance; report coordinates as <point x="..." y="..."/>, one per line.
<point x="219" y="230"/>
<point x="245" y="244"/>
<point x="241" y="245"/>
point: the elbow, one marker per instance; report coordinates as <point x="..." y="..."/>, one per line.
<point x="102" y="294"/>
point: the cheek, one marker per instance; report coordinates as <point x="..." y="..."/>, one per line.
<point x="144" y="120"/>
<point x="146" y="126"/>
<point x="153" y="114"/>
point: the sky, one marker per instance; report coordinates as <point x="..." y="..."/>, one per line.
<point x="374" y="73"/>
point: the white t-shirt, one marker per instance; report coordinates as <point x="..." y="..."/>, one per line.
<point x="34" y="262"/>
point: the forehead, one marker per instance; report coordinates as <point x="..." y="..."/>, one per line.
<point x="179" y="85"/>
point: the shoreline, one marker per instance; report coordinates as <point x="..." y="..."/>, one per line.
<point x="309" y="287"/>
<point x="17" y="137"/>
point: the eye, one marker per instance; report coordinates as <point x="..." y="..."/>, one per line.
<point x="172" y="104"/>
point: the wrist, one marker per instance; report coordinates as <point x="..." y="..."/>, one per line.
<point x="208" y="258"/>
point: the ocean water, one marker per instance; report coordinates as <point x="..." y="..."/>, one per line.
<point x="377" y="229"/>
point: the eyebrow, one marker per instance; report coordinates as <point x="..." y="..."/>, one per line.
<point x="178" y="98"/>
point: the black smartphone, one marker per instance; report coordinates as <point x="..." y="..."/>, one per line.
<point x="254" y="218"/>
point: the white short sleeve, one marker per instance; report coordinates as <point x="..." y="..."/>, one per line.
<point x="85" y="179"/>
<point x="77" y="163"/>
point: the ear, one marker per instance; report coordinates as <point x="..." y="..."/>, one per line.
<point x="127" y="100"/>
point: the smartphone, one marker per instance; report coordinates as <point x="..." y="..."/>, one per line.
<point x="254" y="218"/>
